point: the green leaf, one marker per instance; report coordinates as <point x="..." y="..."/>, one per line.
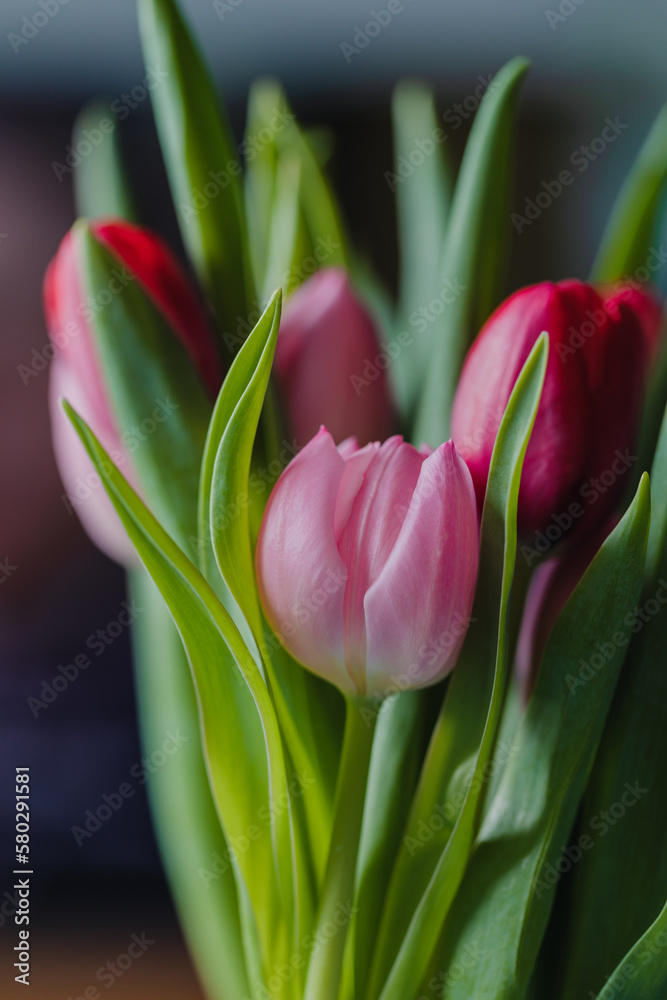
<point x="619" y="887"/>
<point x="323" y="235"/>
<point x="430" y="868"/>
<point x="161" y="409"/>
<point x="286" y="243"/>
<point x="224" y="495"/>
<point x="101" y="187"/>
<point x="202" y="164"/>
<point x="422" y="204"/>
<point x="475" y="248"/>
<point x="499" y="917"/>
<point x="192" y="845"/>
<point x="626" y="242"/>
<point x="642" y="975"/>
<point x="241" y="737"/>
<point x="303" y="704"/>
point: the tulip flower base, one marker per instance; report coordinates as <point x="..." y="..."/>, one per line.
<point x="421" y="678"/>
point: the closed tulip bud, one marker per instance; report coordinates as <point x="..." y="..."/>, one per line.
<point x="367" y="561"/>
<point x="600" y="346"/>
<point x="76" y="373"/>
<point x="329" y="363"/>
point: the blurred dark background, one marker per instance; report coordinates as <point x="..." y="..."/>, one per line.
<point x="592" y="60"/>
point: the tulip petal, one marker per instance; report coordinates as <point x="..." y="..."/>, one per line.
<point x="377" y="514"/>
<point x="83" y="486"/>
<point x="418" y="608"/>
<point x="327" y="343"/>
<point x="561" y="440"/>
<point x="299" y="568"/>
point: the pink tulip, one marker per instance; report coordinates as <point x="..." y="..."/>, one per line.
<point x="326" y="363"/>
<point x="600" y="346"/>
<point x="367" y="561"/>
<point x="76" y="373"/>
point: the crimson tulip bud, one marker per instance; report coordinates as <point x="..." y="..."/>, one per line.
<point x="600" y="345"/>
<point x="367" y="561"/>
<point x="327" y="363"/>
<point x="76" y="372"/>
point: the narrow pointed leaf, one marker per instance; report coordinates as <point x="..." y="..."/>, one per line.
<point x="503" y="905"/>
<point x="620" y="887"/>
<point x="302" y="702"/>
<point x="200" y="156"/>
<point x="626" y="242"/>
<point x="642" y="975"/>
<point x="240" y="731"/>
<point x="475" y="248"/>
<point x="422" y="204"/>
<point x="101" y="186"/>
<point x="425" y="881"/>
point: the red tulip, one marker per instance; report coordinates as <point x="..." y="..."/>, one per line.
<point x="367" y="562"/>
<point x="600" y="345"/>
<point x="326" y="342"/>
<point x="76" y="373"/>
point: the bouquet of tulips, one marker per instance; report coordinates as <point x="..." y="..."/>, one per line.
<point x="421" y="677"/>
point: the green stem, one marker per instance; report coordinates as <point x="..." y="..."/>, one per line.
<point x="324" y="971"/>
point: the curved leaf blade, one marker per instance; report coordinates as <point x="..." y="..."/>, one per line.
<point x="626" y="241"/>
<point x="464" y="738"/>
<point x="503" y="905"/>
<point x="237" y="717"/>
<point x="474" y="250"/>
<point x="199" y="154"/>
<point x="422" y="204"/>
